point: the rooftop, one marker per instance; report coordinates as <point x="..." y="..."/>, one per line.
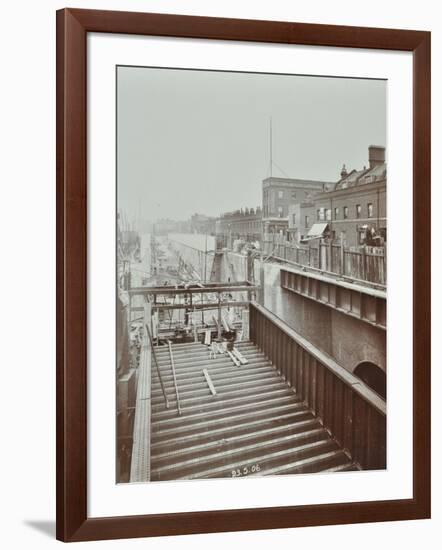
<point x="362" y="177"/>
<point x="292" y="182"/>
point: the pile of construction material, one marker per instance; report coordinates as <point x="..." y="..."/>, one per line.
<point x="226" y="348"/>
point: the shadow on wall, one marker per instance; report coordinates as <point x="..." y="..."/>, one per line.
<point x="373" y="376"/>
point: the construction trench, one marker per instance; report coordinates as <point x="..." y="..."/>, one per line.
<point x="205" y="396"/>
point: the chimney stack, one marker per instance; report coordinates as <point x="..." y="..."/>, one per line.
<point x="376" y="155"/>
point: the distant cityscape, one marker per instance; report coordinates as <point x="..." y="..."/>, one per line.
<point x="340" y="226"/>
<point x="351" y="209"/>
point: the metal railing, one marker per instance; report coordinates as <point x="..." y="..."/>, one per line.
<point x="353" y="413"/>
<point x="174" y="378"/>
<point x="166" y="400"/>
<point x="365" y="263"/>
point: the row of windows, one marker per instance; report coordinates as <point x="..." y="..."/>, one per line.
<point x="281" y="194"/>
<point x="325" y="214"/>
<point x="239" y="227"/>
<point x="269" y="201"/>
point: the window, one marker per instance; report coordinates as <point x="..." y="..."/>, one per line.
<point x="307" y="221"/>
<point x="318" y="214"/>
<point x="328" y="214"/>
<point x="345" y="212"/>
<point x="293" y="195"/>
<point x="358" y="210"/>
<point x="321" y="214"/>
<point x="383" y="233"/>
<point x="280" y="194"/>
<point x="336" y="213"/>
<point x="280" y="211"/>
<point x="370" y="210"/>
<point x="294" y="219"/>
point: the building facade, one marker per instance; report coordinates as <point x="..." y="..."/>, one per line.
<point x="355" y="209"/>
<point x="243" y="224"/>
<point x="300" y="218"/>
<point x="280" y="194"/>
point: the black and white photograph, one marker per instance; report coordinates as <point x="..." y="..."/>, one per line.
<point x="251" y="274"/>
<point x="230" y="332"/>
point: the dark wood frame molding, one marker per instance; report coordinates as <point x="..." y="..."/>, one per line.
<point x="73" y="523"/>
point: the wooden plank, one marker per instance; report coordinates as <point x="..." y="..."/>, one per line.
<point x="172" y="290"/>
<point x="209" y="381"/>
<point x="240" y="356"/>
<point x="225" y="323"/>
<point x="140" y="459"/>
<point x="207" y="337"/>
<point x="233" y="358"/>
<point x="204" y="306"/>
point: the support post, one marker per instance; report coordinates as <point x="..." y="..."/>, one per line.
<point x="245" y="323"/>
<point x="363" y="261"/>
<point x="219" y="316"/>
<point x="330" y="252"/>
<point x="342" y="257"/>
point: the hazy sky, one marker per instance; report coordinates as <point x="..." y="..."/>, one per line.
<point x="198" y="141"/>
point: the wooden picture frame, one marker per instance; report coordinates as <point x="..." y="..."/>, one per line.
<point x="73" y="523"/>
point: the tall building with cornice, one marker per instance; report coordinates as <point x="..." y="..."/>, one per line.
<point x="279" y="194"/>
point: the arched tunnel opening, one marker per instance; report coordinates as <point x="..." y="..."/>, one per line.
<point x="373" y="376"/>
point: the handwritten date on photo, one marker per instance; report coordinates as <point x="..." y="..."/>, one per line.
<point x="246" y="470"/>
